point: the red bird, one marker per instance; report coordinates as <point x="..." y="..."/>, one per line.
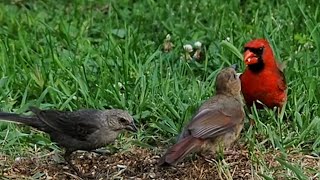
<point x="262" y="79"/>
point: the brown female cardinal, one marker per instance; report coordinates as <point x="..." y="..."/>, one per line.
<point x="86" y="129"/>
<point x="217" y="123"/>
<point x="262" y="79"/>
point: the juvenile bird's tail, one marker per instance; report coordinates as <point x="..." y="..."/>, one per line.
<point x="178" y="151"/>
<point x="31" y="121"/>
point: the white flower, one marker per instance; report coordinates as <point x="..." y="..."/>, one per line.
<point x="188" y="48"/>
<point x="198" y="44"/>
<point x="120" y="85"/>
<point x="168" y="37"/>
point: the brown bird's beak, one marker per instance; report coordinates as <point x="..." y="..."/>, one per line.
<point x="132" y="127"/>
<point x="250" y="58"/>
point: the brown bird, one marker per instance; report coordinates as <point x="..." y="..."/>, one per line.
<point x="86" y="129"/>
<point x="217" y="123"/>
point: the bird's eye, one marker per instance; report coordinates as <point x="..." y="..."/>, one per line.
<point x="235" y="76"/>
<point x="257" y="51"/>
<point x="260" y="51"/>
<point x="123" y="120"/>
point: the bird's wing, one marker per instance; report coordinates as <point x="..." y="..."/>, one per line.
<point x="78" y="124"/>
<point x="212" y="122"/>
<point x="281" y="65"/>
<point x="282" y="81"/>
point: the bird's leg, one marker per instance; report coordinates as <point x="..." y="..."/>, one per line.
<point x="281" y="112"/>
<point x="67" y="157"/>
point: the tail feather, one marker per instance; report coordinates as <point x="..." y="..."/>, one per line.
<point x="178" y="151"/>
<point x="12" y="117"/>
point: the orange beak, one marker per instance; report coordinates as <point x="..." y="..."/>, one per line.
<point x="250" y="58"/>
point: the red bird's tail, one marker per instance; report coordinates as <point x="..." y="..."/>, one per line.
<point x="178" y="151"/>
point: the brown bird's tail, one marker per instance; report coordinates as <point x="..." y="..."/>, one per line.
<point x="31" y="121"/>
<point x="178" y="151"/>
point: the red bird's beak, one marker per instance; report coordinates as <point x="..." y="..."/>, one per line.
<point x="250" y="58"/>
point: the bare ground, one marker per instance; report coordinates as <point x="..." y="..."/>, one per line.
<point x="140" y="163"/>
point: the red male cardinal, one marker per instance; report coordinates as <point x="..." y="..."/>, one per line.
<point x="262" y="79"/>
<point x="217" y="124"/>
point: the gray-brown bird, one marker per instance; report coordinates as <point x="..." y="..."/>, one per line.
<point x="86" y="129"/>
<point x="217" y="123"/>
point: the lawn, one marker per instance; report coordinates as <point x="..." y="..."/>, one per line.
<point x="109" y="54"/>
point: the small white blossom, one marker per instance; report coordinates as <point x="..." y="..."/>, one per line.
<point x="188" y="48"/>
<point x="168" y="37"/>
<point x="167" y="44"/>
<point x="120" y="85"/>
<point x="198" y="44"/>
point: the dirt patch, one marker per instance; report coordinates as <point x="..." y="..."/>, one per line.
<point x="140" y="163"/>
<point x="137" y="163"/>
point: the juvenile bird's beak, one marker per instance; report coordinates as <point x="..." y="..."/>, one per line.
<point x="132" y="127"/>
<point x="250" y="58"/>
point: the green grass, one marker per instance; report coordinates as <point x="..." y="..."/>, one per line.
<point x="93" y="54"/>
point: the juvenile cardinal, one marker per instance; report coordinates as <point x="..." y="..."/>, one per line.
<point x="262" y="79"/>
<point x="217" y="123"/>
<point x="86" y="129"/>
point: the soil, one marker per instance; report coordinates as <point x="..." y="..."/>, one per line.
<point x="141" y="163"/>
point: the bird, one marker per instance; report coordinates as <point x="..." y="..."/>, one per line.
<point x="217" y="123"/>
<point x="263" y="79"/>
<point x="84" y="129"/>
